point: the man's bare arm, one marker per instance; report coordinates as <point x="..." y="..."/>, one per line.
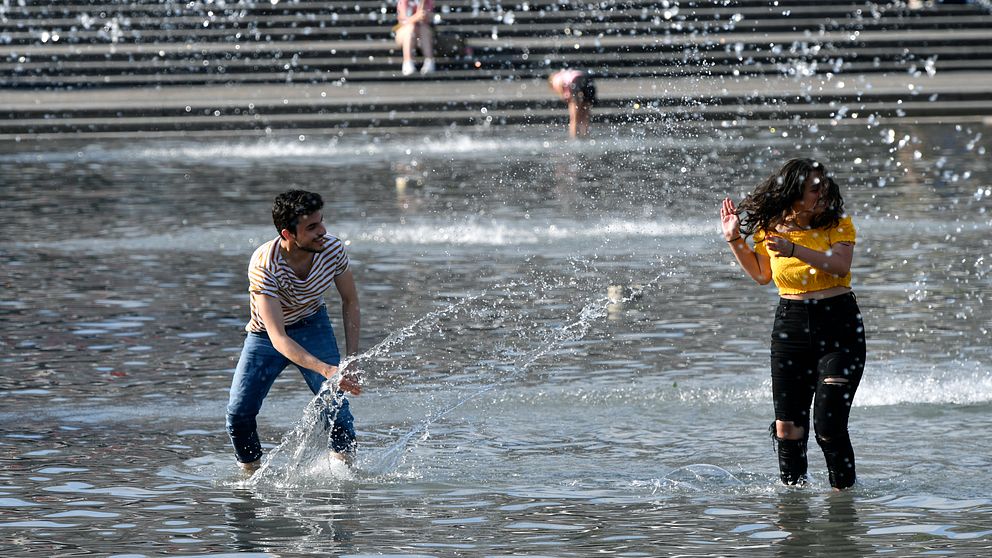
<point x="272" y="316"/>
<point x="350" y="311"/>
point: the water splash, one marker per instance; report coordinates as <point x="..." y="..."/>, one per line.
<point x="474" y="231"/>
<point x="300" y="451"/>
<point x="467" y="232"/>
<point x="391" y="458"/>
<point x="898" y="382"/>
<point x="702" y="477"/>
<point x="699" y="475"/>
<point x="338" y="152"/>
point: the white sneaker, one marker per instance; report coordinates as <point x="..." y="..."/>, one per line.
<point x="408" y="68"/>
<point x="428" y="66"/>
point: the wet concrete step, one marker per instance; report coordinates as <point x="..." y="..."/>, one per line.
<point x="375" y="121"/>
<point x="126" y="23"/>
<point x="639" y="55"/>
<point x="962" y="47"/>
<point x="349" y="107"/>
<point x="390" y="72"/>
<point x="431" y="93"/>
<point x="82" y="27"/>
<point x="605" y="65"/>
<point x="630" y="42"/>
<point x="658" y="99"/>
<point x="709" y="9"/>
<point x="645" y="41"/>
<point x="381" y="29"/>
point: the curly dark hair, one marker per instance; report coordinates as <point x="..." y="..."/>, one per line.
<point x="772" y="200"/>
<point x="290" y="206"/>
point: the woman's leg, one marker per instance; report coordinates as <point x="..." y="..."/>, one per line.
<point x="839" y="373"/>
<point x="406" y="36"/>
<point x="426" y="38"/>
<point x="831" y="412"/>
<point x="793" y="367"/>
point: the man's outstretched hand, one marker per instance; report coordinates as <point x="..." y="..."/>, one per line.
<point x="351" y="382"/>
<point x="348" y="379"/>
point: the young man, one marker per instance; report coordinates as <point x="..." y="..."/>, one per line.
<point x="287" y="279"/>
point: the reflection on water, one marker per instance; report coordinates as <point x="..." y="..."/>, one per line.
<point x="512" y="406"/>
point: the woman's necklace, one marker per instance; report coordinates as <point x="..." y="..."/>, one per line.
<point x="790" y="223"/>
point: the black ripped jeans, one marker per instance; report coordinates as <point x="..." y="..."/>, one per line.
<point x="818" y="358"/>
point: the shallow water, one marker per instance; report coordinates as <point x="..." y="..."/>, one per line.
<point x="510" y="408"/>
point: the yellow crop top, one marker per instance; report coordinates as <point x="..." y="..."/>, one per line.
<point x="794" y="276"/>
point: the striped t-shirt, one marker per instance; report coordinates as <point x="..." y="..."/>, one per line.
<point x="270" y="275"/>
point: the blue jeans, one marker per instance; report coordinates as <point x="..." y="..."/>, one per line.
<point x="259" y="366"/>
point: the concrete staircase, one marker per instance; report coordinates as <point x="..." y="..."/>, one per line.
<point x="105" y="68"/>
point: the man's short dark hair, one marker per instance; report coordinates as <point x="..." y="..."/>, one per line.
<point x="290" y="206"/>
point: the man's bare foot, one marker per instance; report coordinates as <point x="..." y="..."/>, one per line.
<point x="250" y="468"/>
<point x="346" y="458"/>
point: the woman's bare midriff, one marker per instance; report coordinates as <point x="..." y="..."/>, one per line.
<point x="818" y="295"/>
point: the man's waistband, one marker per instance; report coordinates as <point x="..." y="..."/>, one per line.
<point x="320" y="314"/>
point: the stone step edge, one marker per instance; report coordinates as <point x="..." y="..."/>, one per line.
<point x="633" y="109"/>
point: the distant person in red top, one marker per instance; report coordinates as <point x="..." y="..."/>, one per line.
<point x="576" y="88"/>
<point x="414" y="17"/>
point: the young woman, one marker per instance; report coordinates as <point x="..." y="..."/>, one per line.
<point x="804" y="242"/>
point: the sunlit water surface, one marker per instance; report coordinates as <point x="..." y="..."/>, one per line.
<point x="510" y="408"/>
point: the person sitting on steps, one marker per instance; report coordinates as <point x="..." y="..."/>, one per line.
<point x="414" y="17"/>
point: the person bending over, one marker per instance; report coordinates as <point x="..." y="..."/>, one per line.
<point x="287" y="278"/>
<point x="576" y="88"/>
<point x="804" y="242"/>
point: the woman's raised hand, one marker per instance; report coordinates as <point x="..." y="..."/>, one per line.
<point x="729" y="220"/>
